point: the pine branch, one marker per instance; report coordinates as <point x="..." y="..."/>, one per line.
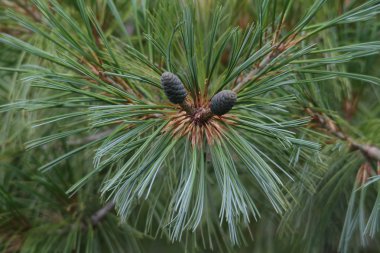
<point x="369" y="151"/>
<point x="114" y="81"/>
<point x="187" y="107"/>
<point x="251" y="75"/>
<point x="90" y="138"/>
<point x="277" y="50"/>
<point x="99" y="215"/>
<point x="167" y="154"/>
<point x="29" y="10"/>
<point x="23" y="8"/>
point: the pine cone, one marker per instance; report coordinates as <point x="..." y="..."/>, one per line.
<point x="223" y="102"/>
<point x="173" y="87"/>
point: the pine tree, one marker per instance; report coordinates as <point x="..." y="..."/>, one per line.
<point x="148" y="126"/>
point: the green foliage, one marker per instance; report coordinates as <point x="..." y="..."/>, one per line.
<point x="83" y="93"/>
<point x="38" y="216"/>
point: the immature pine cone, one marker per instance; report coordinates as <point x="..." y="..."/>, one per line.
<point x="223" y="102"/>
<point x="173" y="87"/>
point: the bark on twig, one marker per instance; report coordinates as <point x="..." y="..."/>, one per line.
<point x="277" y="50"/>
<point x="90" y="138"/>
<point x="187" y="107"/>
<point x="369" y="151"/>
<point x="22" y="7"/>
<point x="97" y="217"/>
<point x="250" y="76"/>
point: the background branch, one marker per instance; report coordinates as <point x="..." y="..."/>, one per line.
<point x="369" y="151"/>
<point x="101" y="213"/>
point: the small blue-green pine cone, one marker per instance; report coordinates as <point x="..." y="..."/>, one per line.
<point x="173" y="87"/>
<point x="223" y="102"/>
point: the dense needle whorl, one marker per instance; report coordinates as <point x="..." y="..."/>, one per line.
<point x="223" y="102"/>
<point x="173" y="87"/>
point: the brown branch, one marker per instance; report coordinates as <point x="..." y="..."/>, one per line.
<point x="90" y="138"/>
<point x="29" y="10"/>
<point x="14" y="31"/>
<point x="250" y="76"/>
<point x="199" y="114"/>
<point x="187" y="107"/>
<point x="203" y="114"/>
<point x="23" y="8"/>
<point x="114" y="81"/>
<point x="99" y="215"/>
<point x="277" y="50"/>
<point x="369" y="151"/>
<point x="280" y="47"/>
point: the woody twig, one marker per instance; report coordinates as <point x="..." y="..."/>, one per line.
<point x="369" y="151"/>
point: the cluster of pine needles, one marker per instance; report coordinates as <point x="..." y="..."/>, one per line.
<point x="189" y="126"/>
